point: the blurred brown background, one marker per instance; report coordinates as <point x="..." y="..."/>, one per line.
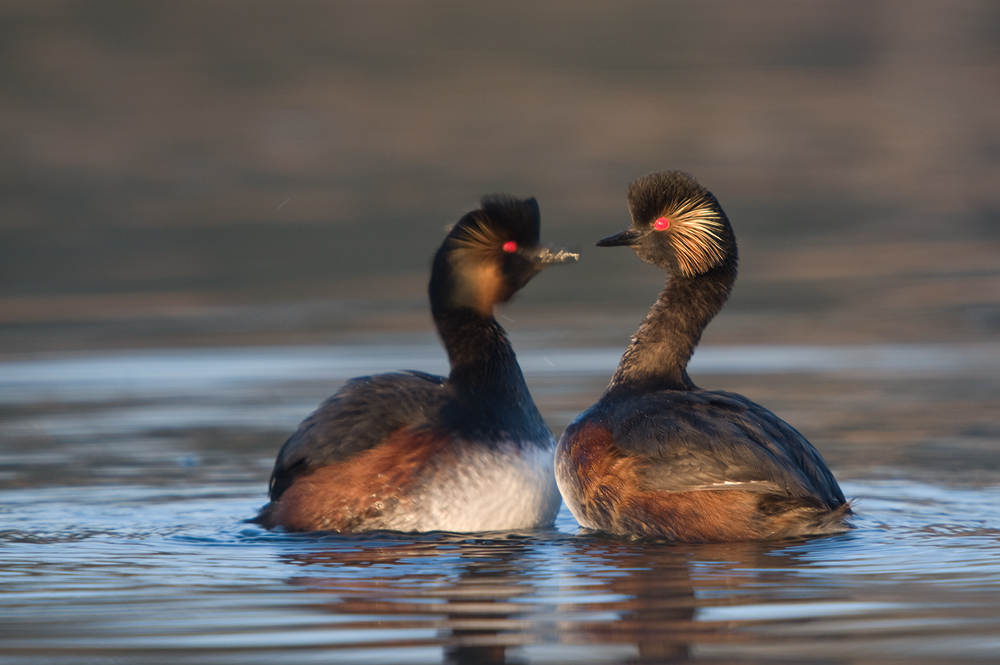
<point x="222" y="172"/>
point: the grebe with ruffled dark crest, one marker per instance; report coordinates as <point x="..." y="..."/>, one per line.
<point x="657" y="456"/>
<point x="409" y="451"/>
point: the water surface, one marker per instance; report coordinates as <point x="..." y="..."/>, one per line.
<point x="128" y="478"/>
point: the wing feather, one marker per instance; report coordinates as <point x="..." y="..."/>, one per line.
<point x="356" y="418"/>
<point x="699" y="440"/>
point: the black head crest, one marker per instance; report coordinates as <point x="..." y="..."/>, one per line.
<point x="499" y="221"/>
<point x="678" y="224"/>
<point x="490" y="254"/>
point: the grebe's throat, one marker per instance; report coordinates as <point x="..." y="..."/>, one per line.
<point x="658" y="355"/>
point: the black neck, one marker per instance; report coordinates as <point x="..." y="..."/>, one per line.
<point x="489" y="389"/>
<point x="479" y="352"/>
<point x="659" y="353"/>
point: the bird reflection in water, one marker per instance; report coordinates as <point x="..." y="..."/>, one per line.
<point x="464" y="588"/>
<point x="658" y="590"/>
<point x="492" y="599"/>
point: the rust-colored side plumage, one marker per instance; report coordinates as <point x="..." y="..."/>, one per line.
<point x="354" y="494"/>
<point x="603" y="488"/>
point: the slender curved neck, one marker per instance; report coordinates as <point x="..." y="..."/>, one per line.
<point x="660" y="350"/>
<point x="483" y="364"/>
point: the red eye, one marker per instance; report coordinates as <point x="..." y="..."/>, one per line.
<point x="510" y="247"/>
<point x="661" y="224"/>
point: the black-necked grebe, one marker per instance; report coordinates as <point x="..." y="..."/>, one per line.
<point x="409" y="451"/>
<point x="656" y="456"/>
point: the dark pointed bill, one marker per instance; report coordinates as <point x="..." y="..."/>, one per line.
<point x="629" y="236"/>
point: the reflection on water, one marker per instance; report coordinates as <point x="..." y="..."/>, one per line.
<point x="175" y="576"/>
<point x="126" y="486"/>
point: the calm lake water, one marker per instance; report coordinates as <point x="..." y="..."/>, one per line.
<point x="129" y="476"/>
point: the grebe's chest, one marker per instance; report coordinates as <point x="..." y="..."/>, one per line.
<point x="504" y="486"/>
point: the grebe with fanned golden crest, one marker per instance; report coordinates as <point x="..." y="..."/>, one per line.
<point x="409" y="451"/>
<point x="658" y="457"/>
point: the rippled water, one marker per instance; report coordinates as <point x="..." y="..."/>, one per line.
<point x="128" y="477"/>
